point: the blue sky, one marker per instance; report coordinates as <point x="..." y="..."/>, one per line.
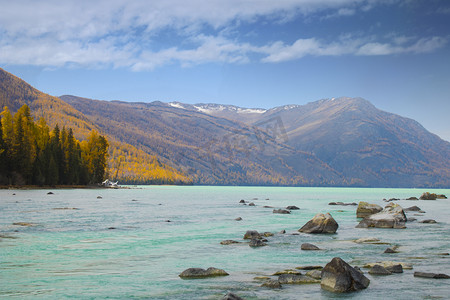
<point x="253" y="53"/>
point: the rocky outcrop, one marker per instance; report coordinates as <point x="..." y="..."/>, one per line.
<point x="308" y="246"/>
<point x="365" y="209"/>
<point x="339" y="277"/>
<point x="392" y="216"/>
<point x="321" y="223"/>
<point x="202" y="273"/>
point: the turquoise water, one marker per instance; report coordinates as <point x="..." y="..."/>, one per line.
<point x="122" y="247"/>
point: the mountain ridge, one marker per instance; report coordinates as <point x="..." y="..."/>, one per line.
<point x="358" y="144"/>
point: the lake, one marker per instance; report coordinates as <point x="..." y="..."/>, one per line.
<point x="119" y="243"/>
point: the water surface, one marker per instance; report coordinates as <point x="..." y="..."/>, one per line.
<point x="122" y="245"/>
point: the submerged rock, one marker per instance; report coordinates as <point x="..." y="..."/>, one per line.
<point x="201" y="273"/>
<point x="321" y="223"/>
<point x="431" y="275"/>
<point x="365" y="209"/>
<point x="296" y="279"/>
<point x="366" y="240"/>
<point x="343" y="204"/>
<point x="310" y="268"/>
<point x="252" y="204"/>
<point x="389" y="264"/>
<point x="257" y="243"/>
<point x="392" y="216"/>
<point x="412" y="198"/>
<point x="289" y="271"/>
<point x="316" y="274"/>
<point x="229" y="242"/>
<point x="272" y="283"/>
<point x="231" y="296"/>
<point x="428" y="221"/>
<point x="339" y="277"/>
<point x="308" y="246"/>
<point x="238" y="219"/>
<point x="281" y="211"/>
<point x="391" y="250"/>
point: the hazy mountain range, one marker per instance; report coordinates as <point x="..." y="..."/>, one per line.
<point x="330" y="142"/>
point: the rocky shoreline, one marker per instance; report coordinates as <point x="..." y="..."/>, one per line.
<point x="338" y="276"/>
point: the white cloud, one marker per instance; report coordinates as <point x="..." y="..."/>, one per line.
<point x="122" y="33"/>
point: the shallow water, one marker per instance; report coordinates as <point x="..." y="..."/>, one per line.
<point x="122" y="247"/>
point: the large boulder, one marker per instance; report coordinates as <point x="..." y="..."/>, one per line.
<point x="365" y="209"/>
<point x="339" y="277"/>
<point x="392" y="216"/>
<point x="321" y="223"/>
<point x="202" y="273"/>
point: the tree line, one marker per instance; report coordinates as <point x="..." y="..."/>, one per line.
<point x="31" y="154"/>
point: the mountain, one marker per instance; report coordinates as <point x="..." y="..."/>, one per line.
<point x="364" y="144"/>
<point x="331" y="142"/>
<point x="208" y="149"/>
<point x="126" y="161"/>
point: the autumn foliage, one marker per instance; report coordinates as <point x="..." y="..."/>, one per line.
<point x="31" y="154"/>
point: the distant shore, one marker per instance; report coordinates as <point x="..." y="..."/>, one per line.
<point x="47" y="187"/>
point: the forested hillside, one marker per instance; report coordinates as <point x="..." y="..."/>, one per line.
<point x="126" y="163"/>
<point x="31" y="154"/>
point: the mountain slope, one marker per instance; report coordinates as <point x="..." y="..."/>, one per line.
<point x="367" y="146"/>
<point x="209" y="149"/>
<point x="125" y="161"/>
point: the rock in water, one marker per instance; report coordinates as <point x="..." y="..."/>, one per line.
<point x="365" y="209"/>
<point x="431" y="275"/>
<point x="308" y="246"/>
<point x="231" y="296"/>
<point x="271" y="283"/>
<point x="296" y="279"/>
<point x="257" y="243"/>
<point x="339" y="277"/>
<point x="229" y="242"/>
<point x="292" y="207"/>
<point x="413" y="208"/>
<point x="252" y="234"/>
<point x="392" y="216"/>
<point x="379" y="270"/>
<point x="281" y="211"/>
<point x="201" y="273"/>
<point x="321" y="223"/>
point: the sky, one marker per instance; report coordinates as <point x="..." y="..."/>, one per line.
<point x="249" y="53"/>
